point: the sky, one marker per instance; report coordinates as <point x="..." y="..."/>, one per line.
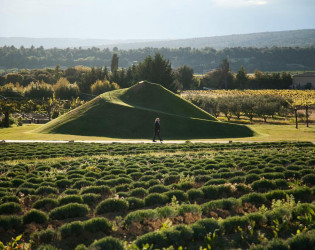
<point x="151" y="19"/>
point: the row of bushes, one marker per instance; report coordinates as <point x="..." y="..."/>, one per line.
<point x="230" y="204"/>
<point x="40" y="151"/>
<point x="183" y="235"/>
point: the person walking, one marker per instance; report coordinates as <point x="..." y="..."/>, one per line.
<point x="157" y="127"/>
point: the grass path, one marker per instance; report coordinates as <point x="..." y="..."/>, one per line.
<point x="264" y="133"/>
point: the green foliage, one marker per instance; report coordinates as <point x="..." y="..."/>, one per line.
<point x="155" y="199"/>
<point x="9" y="222"/>
<point x="107" y="243"/>
<point x="10" y="208"/>
<point x="46" y="204"/>
<point x="45" y="236"/>
<point x="112" y="205"/>
<point x="71" y="210"/>
<point x="35" y="216"/>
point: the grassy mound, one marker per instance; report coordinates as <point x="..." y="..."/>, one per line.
<point x="130" y="113"/>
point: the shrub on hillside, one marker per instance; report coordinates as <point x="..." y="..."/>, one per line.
<point x="135" y="203"/>
<point x="9" y="222"/>
<point x="71" y="210"/>
<point x="98" y="224"/>
<point x="155" y="199"/>
<point x="75" y="228"/>
<point x="103" y="190"/>
<point x="35" y="216"/>
<point x="139" y="192"/>
<point x="70" y="199"/>
<point x="112" y="205"/>
<point x="108" y="243"/>
<point x="91" y="199"/>
<point x="45" y="236"/>
<point x="263" y="185"/>
<point x="46" y="190"/>
<point x="46" y="204"/>
<point x="10" y="208"/>
<point x="309" y="179"/>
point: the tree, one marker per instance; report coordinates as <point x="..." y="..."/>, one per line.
<point x="185" y="76"/>
<point x="99" y="87"/>
<point x="65" y="90"/>
<point x="156" y="70"/>
<point x="241" y="78"/>
<point x="225" y="69"/>
<point x="114" y="64"/>
<point x="38" y="90"/>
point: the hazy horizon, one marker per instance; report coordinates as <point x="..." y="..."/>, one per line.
<point x="154" y="20"/>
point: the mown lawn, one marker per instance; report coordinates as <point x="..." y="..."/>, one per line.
<point x="263" y="133"/>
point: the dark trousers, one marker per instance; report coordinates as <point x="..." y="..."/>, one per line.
<point x="157" y="133"/>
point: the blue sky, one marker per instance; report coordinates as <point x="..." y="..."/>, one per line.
<point x="151" y="19"/>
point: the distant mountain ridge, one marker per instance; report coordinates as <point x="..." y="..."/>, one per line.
<point x="292" y="38"/>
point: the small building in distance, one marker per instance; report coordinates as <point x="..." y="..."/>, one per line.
<point x="303" y="81"/>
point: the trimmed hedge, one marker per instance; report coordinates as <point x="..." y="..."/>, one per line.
<point x="107" y="243"/>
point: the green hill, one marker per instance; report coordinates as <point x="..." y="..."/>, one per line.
<point x="130" y="113"/>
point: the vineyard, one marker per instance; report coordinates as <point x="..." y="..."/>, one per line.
<point x="155" y="196"/>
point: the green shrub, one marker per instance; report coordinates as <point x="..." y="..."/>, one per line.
<point x="35" y="216"/>
<point x="10" y="208"/>
<point x="276" y="194"/>
<point x="303" y="241"/>
<point x="187" y="208"/>
<point x="178" y="235"/>
<point x="71" y="210"/>
<point x="195" y="194"/>
<point x="303" y="194"/>
<point x="71" y="191"/>
<point x="91" y="199"/>
<point x="10" y="198"/>
<point x="171" y="179"/>
<point x="254" y="198"/>
<point x="203" y="227"/>
<point x="98" y="224"/>
<point x="81" y="247"/>
<point x="215" y="182"/>
<point x="47" y="247"/>
<point x="259" y="219"/>
<point x="103" y="190"/>
<point x="64" y="183"/>
<point x="166" y="212"/>
<point x="70" y="199"/>
<point x="231" y="224"/>
<point x="155" y="199"/>
<point x="46" y="204"/>
<point x="157" y="239"/>
<point x="112" y="205"/>
<point x="309" y="179"/>
<point x="45" y="236"/>
<point x="226" y="204"/>
<point x="135" y="203"/>
<point x="263" y="185"/>
<point x="139" y="192"/>
<point x="107" y="243"/>
<point x="46" y="190"/>
<point x="140" y="215"/>
<point x="158" y="189"/>
<point x="75" y="228"/>
<point x="211" y="192"/>
<point x="249" y="178"/>
<point x="9" y="222"/>
<point x="179" y="194"/>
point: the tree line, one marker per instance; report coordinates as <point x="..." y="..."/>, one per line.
<point x="201" y="60"/>
<point x="262" y="106"/>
